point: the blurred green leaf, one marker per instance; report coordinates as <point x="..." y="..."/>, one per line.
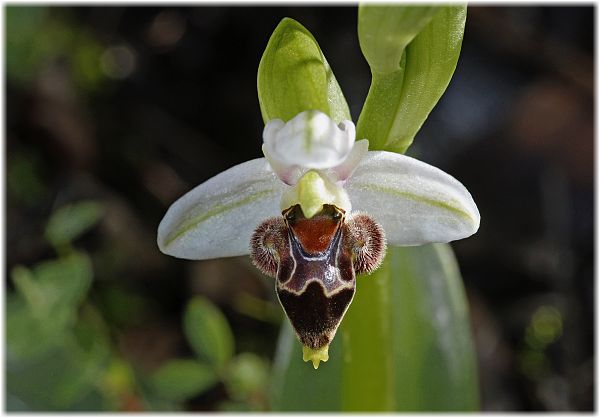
<point x="429" y="357"/>
<point x="236" y="407"/>
<point x="30" y="289"/>
<point x="70" y="221"/>
<point x="406" y="344"/>
<point x="66" y="281"/>
<point x="294" y="76"/>
<point x="179" y="380"/>
<point x="89" y="358"/>
<point x="64" y="374"/>
<point x="24" y="179"/>
<point x="150" y="399"/>
<point x="46" y="304"/>
<point x="296" y="386"/>
<point x="58" y="380"/>
<point x="247" y="374"/>
<point x="208" y="332"/>
<point x="22" y="55"/>
<point x="368" y="335"/>
<point x="121" y="306"/>
<point x="37" y="37"/>
<point x="118" y="381"/>
<point x="28" y="338"/>
<point x="400" y="100"/>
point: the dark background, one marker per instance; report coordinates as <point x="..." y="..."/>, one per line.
<point x="134" y="106"/>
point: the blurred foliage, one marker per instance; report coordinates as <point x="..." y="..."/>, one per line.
<point x="58" y="346"/>
<point x="179" y="380"/>
<point x="24" y="180"/>
<point x="544" y="329"/>
<point x="27" y="52"/>
<point x="209" y="335"/>
<point x="72" y="220"/>
<point x="61" y="356"/>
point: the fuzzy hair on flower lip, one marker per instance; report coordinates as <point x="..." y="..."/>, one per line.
<point x="313" y="213"/>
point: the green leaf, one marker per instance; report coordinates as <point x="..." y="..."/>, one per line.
<point x="405" y="344"/>
<point x="400" y="100"/>
<point x="46" y="304"/>
<point x="179" y="380"/>
<point x="296" y="386"/>
<point x="63" y="375"/>
<point x="66" y="281"/>
<point x="70" y="221"/>
<point x="385" y="31"/>
<point x="246" y="375"/>
<point x="29" y="288"/>
<point x="28" y="338"/>
<point x="208" y="332"/>
<point x="294" y="76"/>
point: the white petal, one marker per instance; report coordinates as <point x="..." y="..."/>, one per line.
<point x="289" y="174"/>
<point x="217" y="218"/>
<point x="414" y="202"/>
<point x="343" y="171"/>
<point x="309" y="140"/>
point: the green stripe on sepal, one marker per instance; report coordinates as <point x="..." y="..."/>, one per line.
<point x="452" y="206"/>
<point x="219" y="209"/>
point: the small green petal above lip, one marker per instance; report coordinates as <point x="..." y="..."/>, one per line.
<point x="217" y="218"/>
<point x="414" y="202"/>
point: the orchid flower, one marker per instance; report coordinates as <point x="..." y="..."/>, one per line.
<point x="314" y="213"/>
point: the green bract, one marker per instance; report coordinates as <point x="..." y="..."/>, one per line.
<point x="402" y="95"/>
<point x="294" y="76"/>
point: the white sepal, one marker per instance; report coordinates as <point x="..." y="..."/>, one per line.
<point x="216" y="219"/>
<point x="414" y="202"/>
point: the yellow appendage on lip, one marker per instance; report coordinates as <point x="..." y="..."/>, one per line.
<point x="316" y="356"/>
<point x="312" y="191"/>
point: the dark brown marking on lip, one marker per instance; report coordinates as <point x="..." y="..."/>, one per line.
<point x="314" y="316"/>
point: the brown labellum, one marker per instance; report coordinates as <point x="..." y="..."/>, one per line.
<point x="315" y="262"/>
